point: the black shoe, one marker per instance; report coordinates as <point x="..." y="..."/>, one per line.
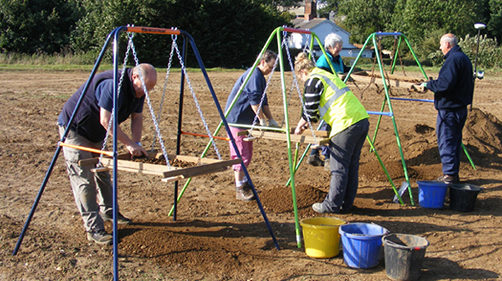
<point x="315" y="160"/>
<point x="449" y="179"/>
<point x="350" y="210"/>
<point x="108" y="216"/>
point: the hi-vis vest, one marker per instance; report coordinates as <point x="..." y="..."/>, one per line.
<point x="338" y="107"/>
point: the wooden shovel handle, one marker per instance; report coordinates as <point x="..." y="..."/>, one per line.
<point x="107" y="153"/>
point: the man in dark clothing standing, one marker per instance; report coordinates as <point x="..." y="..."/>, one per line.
<point x="453" y="91"/>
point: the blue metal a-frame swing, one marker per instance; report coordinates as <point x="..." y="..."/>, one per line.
<point x="114" y="35"/>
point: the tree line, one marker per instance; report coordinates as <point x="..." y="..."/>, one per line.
<point x="423" y="22"/>
<point x="230" y="33"/>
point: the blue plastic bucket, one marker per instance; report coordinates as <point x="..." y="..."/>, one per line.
<point x="431" y="194"/>
<point x="361" y="244"/>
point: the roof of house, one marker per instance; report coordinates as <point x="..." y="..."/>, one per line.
<point x="301" y="23"/>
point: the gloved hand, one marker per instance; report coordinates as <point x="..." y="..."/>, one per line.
<point x="263" y="122"/>
<point x="273" y="123"/>
<point x="418" y="87"/>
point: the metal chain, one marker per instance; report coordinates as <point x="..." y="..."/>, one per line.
<point x="386" y="74"/>
<point x="290" y="95"/>
<point x="291" y="66"/>
<point x="196" y="102"/>
<point x="119" y="88"/>
<point x="263" y="94"/>
<point x="147" y="97"/>
<point x="174" y="37"/>
<point x="399" y="54"/>
<point x="295" y="83"/>
<point x="306" y="47"/>
<point x="372" y="79"/>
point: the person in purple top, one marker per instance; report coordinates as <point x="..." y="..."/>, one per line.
<point x="453" y="92"/>
<point x="93" y="191"/>
<point x="244" y="110"/>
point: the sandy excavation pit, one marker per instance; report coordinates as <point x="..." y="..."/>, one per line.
<point x="216" y="237"/>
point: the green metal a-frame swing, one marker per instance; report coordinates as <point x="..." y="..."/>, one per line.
<point x="279" y="33"/>
<point x="399" y="38"/>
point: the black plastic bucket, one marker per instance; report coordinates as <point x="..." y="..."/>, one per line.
<point x="404" y="255"/>
<point x="463" y="196"/>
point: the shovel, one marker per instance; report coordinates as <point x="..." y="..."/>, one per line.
<point x="401" y="191"/>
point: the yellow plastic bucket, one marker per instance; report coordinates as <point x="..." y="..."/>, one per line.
<point x="321" y="237"/>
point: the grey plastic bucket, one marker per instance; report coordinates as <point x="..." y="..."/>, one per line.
<point x="404" y="255"/>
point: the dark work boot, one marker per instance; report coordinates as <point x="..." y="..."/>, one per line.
<point x="327" y="167"/>
<point x="100" y="237"/>
<point x="449" y="179"/>
<point x="315" y="160"/>
<point x="120" y="218"/>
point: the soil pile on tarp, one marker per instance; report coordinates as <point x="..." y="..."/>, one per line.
<point x="482" y="136"/>
<point x="483" y="133"/>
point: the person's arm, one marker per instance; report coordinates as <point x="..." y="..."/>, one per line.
<point x="267" y="112"/>
<point x="136" y="126"/>
<point x="313" y="91"/>
<point x="302" y="126"/>
<point x="133" y="148"/>
<point x="261" y="115"/>
<point x="255" y="87"/>
<point x="447" y="78"/>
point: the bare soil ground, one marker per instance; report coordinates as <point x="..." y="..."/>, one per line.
<point x="216" y="237"/>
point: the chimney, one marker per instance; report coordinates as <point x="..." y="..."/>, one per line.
<point x="310" y="10"/>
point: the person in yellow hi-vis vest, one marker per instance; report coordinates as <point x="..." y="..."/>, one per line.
<point x="327" y="97"/>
